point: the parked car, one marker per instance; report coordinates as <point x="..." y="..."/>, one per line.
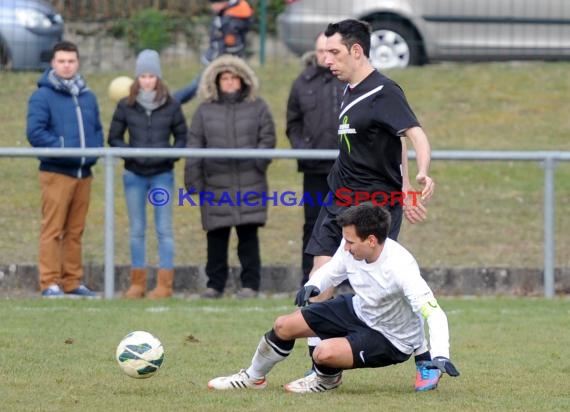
<point x="413" y="32"/>
<point x="28" y="31"/>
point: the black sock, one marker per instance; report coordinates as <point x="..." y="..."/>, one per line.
<point x="311" y="350"/>
<point x="426" y="356"/>
<point x="326" y="370"/>
<point x="284" y="346"/>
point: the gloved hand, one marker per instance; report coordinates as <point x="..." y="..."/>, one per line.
<point x="303" y="295"/>
<point x="444" y="365"/>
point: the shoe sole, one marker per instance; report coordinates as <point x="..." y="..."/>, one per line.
<point x="72" y="296"/>
<point x="288" y="390"/>
<point x="426" y="389"/>
<point x="210" y="387"/>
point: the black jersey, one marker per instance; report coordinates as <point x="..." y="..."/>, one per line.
<point x="373" y="116"/>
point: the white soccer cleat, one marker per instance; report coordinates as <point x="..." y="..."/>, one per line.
<point x="240" y="380"/>
<point x="314" y="383"/>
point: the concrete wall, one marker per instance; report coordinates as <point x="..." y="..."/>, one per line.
<point x="23" y="279"/>
<point x="101" y="52"/>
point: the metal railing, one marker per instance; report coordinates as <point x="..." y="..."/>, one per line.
<point x="547" y="159"/>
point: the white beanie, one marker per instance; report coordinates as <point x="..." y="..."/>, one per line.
<point x="148" y="61"/>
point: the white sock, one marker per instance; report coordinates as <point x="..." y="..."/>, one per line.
<point x="313" y="341"/>
<point x="264" y="359"/>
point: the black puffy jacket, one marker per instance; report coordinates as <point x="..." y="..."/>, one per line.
<point x="148" y="131"/>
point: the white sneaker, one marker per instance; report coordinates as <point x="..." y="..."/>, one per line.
<point x="240" y="380"/>
<point x="314" y="382"/>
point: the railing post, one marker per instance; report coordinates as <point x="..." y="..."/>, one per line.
<point x="549" y="227"/>
<point x="109" y="226"/>
<point x="262" y="30"/>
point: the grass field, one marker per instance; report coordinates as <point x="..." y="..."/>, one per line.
<point x="484" y="214"/>
<point x="59" y="356"/>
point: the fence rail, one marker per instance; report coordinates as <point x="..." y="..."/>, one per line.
<point x="547" y="159"/>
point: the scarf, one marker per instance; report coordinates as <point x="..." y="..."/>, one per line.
<point x="73" y="86"/>
<point x="146" y="98"/>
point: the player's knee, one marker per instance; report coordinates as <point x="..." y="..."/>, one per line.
<point x="280" y="328"/>
<point x="323" y="354"/>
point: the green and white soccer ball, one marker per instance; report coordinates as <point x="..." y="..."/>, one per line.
<point x="140" y="354"/>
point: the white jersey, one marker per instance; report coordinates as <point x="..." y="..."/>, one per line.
<point x="389" y="294"/>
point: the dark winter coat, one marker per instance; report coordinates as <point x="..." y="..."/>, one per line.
<point x="57" y="119"/>
<point x="148" y="131"/>
<point x="242" y="122"/>
<point x="312" y="114"/>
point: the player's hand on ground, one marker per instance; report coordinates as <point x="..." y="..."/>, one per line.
<point x="305" y="293"/>
<point x="415" y="213"/>
<point x="428" y="187"/>
<point x="444" y="365"/>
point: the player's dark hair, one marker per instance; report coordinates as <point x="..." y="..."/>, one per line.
<point x="66" y="46"/>
<point x="367" y="219"/>
<point x="352" y="32"/>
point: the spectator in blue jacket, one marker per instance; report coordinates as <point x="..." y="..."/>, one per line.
<point x="63" y="113"/>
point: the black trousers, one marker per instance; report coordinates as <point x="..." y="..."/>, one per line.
<point x="314" y="185"/>
<point x="217" y="268"/>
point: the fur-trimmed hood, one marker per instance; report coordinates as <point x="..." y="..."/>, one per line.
<point x="309" y="59"/>
<point x="208" y="91"/>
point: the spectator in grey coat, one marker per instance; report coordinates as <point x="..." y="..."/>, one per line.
<point x="231" y="115"/>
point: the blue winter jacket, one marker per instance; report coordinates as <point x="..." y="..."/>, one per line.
<point x="58" y="119"/>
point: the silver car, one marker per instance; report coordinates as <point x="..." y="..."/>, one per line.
<point x="28" y="31"/>
<point x="412" y="32"/>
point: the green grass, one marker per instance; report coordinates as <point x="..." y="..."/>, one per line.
<point x="483" y="213"/>
<point x="59" y="356"/>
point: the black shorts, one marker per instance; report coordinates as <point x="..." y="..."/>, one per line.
<point x="327" y="234"/>
<point x="335" y="318"/>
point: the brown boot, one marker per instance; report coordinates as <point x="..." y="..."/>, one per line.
<point x="138" y="284"/>
<point x="163" y="284"/>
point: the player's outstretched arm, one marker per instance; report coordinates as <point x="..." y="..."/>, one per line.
<point x="414" y="210"/>
<point x="439" y="337"/>
<point x="423" y="158"/>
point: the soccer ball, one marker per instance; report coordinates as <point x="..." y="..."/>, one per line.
<point x="140" y="354"/>
<point x="120" y="87"/>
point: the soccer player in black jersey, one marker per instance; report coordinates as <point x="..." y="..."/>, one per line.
<point x="375" y="120"/>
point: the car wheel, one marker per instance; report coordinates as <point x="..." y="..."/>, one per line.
<point x="393" y="45"/>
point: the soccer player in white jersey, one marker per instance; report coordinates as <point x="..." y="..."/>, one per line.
<point x="381" y="324"/>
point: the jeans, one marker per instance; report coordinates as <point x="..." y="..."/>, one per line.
<point x="137" y="188"/>
<point x="217" y="268"/>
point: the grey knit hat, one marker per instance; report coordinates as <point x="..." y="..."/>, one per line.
<point x="148" y="61"/>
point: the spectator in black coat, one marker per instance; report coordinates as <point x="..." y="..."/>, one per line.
<point x="151" y="116"/>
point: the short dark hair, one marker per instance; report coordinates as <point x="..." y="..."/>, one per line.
<point x="367" y="219"/>
<point x="352" y="32"/>
<point x="65" y="46"/>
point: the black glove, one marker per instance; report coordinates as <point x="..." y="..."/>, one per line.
<point x="444" y="365"/>
<point x="303" y="295"/>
